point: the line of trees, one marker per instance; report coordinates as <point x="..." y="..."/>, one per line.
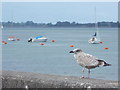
<point x="58" y="24"/>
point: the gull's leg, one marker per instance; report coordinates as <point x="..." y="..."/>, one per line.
<point x="82" y="72"/>
<point x="88" y="73"/>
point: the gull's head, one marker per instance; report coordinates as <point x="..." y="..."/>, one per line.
<point x="75" y="51"/>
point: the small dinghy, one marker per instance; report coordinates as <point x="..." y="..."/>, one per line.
<point x="11" y="38"/>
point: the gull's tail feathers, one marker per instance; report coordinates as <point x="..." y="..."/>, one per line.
<point x="103" y="63"/>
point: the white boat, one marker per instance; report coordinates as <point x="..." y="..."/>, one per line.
<point x="1" y="26"/>
<point x="42" y="39"/>
<point x="11" y="38"/>
<point x="95" y="38"/>
<point x="38" y="39"/>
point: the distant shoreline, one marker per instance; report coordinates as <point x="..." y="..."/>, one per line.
<point x="54" y="27"/>
<point x="59" y="24"/>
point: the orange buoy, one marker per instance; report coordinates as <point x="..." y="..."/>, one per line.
<point x="18" y="39"/>
<point x="41" y="43"/>
<point x="101" y="42"/>
<point x="5" y="42"/>
<point x="53" y="40"/>
<point x="71" y="45"/>
<point x="106" y="48"/>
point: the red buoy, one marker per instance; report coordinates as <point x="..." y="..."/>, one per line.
<point x="71" y="45"/>
<point x="18" y="39"/>
<point x="101" y="42"/>
<point x="41" y="43"/>
<point x="5" y="42"/>
<point x="106" y="48"/>
<point x="53" y="40"/>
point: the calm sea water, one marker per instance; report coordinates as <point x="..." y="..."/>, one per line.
<point x="54" y="58"/>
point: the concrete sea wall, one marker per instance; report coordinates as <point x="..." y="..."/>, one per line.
<point x="13" y="79"/>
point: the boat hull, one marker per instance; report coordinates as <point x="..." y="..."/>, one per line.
<point x="11" y="39"/>
<point x="95" y="41"/>
<point x="39" y="40"/>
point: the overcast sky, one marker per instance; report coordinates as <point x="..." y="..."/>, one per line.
<point x="45" y="12"/>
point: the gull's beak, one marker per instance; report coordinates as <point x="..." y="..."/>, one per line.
<point x="71" y="52"/>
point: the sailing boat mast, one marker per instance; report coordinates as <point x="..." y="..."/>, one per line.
<point x="96" y="25"/>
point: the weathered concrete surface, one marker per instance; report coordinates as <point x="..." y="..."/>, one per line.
<point x="12" y="79"/>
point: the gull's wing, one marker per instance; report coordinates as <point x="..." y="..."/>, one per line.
<point x="87" y="60"/>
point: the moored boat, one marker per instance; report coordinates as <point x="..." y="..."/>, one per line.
<point x="11" y="38"/>
<point x="95" y="38"/>
<point x="38" y="39"/>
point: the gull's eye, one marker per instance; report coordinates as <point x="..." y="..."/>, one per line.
<point x="77" y="50"/>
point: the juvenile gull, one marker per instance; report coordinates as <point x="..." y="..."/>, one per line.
<point x="87" y="61"/>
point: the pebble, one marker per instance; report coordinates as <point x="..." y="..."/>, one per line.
<point x="26" y="87"/>
<point x="31" y="80"/>
<point x="82" y="84"/>
<point x="13" y="78"/>
<point x="66" y="78"/>
<point x="88" y="87"/>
